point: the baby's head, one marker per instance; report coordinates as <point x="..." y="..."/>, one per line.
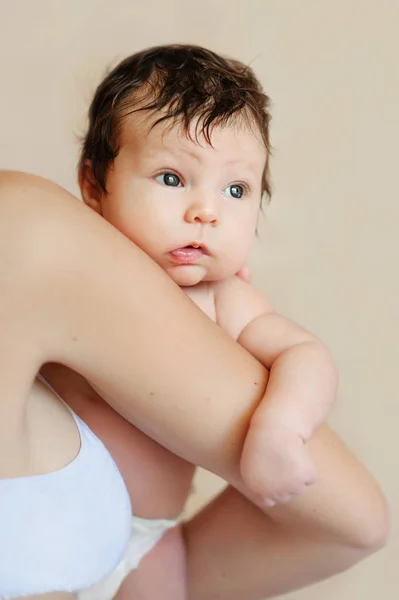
<point x="176" y="157"/>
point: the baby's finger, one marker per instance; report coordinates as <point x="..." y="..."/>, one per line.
<point x="284" y="498"/>
<point x="245" y="273"/>
<point x="269" y="502"/>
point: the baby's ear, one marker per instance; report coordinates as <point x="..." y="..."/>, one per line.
<point x="88" y="188"/>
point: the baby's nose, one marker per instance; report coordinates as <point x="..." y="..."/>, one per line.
<point x="206" y="215"/>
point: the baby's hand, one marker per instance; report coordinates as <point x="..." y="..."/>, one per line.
<point x="245" y="273"/>
<point x="275" y="464"/>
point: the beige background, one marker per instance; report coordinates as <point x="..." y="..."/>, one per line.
<point x="329" y="249"/>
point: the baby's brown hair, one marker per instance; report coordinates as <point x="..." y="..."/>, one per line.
<point x="187" y="83"/>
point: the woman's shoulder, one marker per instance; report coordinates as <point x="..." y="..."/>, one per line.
<point x="34" y="207"/>
<point x="27" y="184"/>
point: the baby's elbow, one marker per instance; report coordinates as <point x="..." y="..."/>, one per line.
<point x="375" y="532"/>
<point x="378" y="531"/>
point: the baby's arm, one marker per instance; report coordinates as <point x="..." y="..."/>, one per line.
<point x="75" y="300"/>
<point x="300" y="392"/>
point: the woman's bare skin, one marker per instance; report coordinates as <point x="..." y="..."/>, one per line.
<point x="58" y="306"/>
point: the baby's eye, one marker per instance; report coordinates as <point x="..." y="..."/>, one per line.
<point x="169" y="179"/>
<point x="235" y="190"/>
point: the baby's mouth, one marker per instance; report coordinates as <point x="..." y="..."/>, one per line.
<point x="199" y="247"/>
<point x="189" y="254"/>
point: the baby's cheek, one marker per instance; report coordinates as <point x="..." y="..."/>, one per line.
<point x="227" y="267"/>
<point x="146" y="239"/>
<point x="240" y="253"/>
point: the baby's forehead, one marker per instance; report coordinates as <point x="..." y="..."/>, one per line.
<point x="231" y="140"/>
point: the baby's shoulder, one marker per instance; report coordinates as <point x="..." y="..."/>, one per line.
<point x="237" y="303"/>
<point x="203" y="296"/>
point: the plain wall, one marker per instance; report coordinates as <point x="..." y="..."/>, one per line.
<point x="329" y="247"/>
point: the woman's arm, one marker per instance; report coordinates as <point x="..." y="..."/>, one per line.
<point x="92" y="300"/>
<point x="74" y="290"/>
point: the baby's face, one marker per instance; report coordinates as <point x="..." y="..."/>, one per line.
<point x="192" y="208"/>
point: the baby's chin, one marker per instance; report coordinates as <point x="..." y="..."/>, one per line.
<point x="187" y="275"/>
<point x="191" y="275"/>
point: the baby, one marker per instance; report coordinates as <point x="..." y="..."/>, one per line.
<point x="177" y="158"/>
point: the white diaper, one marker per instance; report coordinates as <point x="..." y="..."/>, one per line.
<point x="145" y="534"/>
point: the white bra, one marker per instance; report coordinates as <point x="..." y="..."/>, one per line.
<point x="66" y="530"/>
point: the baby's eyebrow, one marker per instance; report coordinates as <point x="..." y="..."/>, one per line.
<point x="241" y="162"/>
<point x="165" y="153"/>
<point x="247" y="168"/>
